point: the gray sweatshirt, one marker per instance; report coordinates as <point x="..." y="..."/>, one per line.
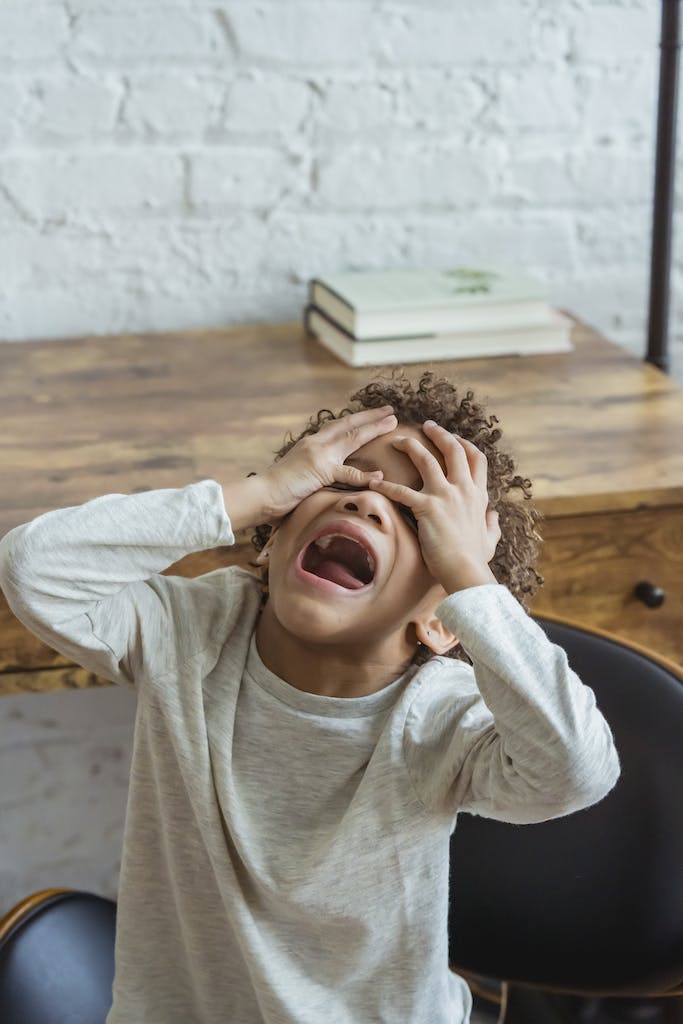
<point x="285" y="856"/>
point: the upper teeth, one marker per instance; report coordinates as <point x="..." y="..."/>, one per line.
<point x="324" y="542"/>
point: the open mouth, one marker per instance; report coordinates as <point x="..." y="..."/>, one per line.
<point x="340" y="559"/>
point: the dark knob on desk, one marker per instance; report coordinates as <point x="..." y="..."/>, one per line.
<point x="649" y="594"/>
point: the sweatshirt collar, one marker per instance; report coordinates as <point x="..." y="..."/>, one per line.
<point x="315" y="704"/>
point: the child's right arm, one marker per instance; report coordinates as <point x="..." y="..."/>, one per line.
<point x="87" y="579"/>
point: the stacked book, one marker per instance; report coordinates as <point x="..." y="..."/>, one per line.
<point x="404" y="316"/>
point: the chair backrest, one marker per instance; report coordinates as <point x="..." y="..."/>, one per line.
<point x="591" y="902"/>
<point x="57" y="961"/>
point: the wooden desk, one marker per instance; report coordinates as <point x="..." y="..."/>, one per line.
<point x="599" y="432"/>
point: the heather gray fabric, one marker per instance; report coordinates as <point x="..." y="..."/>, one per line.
<point x="285" y="854"/>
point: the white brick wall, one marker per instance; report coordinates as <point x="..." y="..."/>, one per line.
<point x="190" y="163"/>
<point x="193" y="163"/>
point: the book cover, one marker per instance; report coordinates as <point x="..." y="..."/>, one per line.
<point x="552" y="336"/>
<point x="392" y="302"/>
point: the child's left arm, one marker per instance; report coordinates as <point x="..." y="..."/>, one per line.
<point x="536" y="746"/>
<point x="518" y="736"/>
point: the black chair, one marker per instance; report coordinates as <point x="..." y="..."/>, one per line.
<point x="57" y="959"/>
<point x="581" y="918"/>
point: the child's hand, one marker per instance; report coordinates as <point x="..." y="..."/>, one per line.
<point x="317" y="460"/>
<point x="457" y="531"/>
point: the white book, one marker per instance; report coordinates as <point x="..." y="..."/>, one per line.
<point x="396" y="303"/>
<point x="552" y="336"/>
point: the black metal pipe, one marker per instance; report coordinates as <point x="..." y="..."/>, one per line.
<point x="662" y="211"/>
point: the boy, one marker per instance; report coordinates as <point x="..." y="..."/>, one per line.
<point x="303" y="744"/>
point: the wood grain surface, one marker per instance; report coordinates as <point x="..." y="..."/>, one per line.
<point x="595" y="429"/>
<point x="592" y="564"/>
<point x="598" y="431"/>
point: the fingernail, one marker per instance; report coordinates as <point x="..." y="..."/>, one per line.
<point x="429" y="423"/>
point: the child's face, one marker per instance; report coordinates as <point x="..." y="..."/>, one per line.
<point x="317" y="609"/>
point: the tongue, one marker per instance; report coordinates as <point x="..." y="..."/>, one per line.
<point x="338" y="573"/>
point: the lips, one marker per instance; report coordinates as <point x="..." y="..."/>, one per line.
<point x="340" y="554"/>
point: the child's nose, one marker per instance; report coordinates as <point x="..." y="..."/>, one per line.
<point x="368" y="504"/>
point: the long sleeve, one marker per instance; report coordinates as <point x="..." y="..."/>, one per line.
<point x="517" y="736"/>
<point x="86" y="579"/>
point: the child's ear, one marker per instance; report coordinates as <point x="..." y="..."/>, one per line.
<point x="264" y="554"/>
<point x="433" y="634"/>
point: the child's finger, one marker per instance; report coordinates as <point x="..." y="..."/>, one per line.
<point x="357" y="477"/>
<point x="478" y="462"/>
<point x="396" y="492"/>
<point x="455" y="456"/>
<point x="353" y="431"/>
<point x="458" y="453"/>
<point x="494" y="530"/>
<point x="356" y="437"/>
<point x="428" y="466"/>
<point x="358" y="419"/>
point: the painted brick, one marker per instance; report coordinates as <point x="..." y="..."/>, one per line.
<point x="513" y="238"/>
<point x="14" y="100"/>
<point x="439" y="101"/>
<point x="616" y="100"/>
<point x="465" y="34"/>
<point x="132" y="34"/>
<point x="238" y="177"/>
<point x="596" y="177"/>
<point x="297" y="34"/>
<point x="60" y="259"/>
<point x="169" y="103"/>
<point x="266" y="103"/>
<point x="31" y="33"/>
<point x="537" y="98"/>
<point x="72" y="107"/>
<point x="608" y="33"/>
<point x="92" y="185"/>
<point x="358" y="177"/>
<point x="615" y="178"/>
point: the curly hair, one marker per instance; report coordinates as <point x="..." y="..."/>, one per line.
<point x="437" y="398"/>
